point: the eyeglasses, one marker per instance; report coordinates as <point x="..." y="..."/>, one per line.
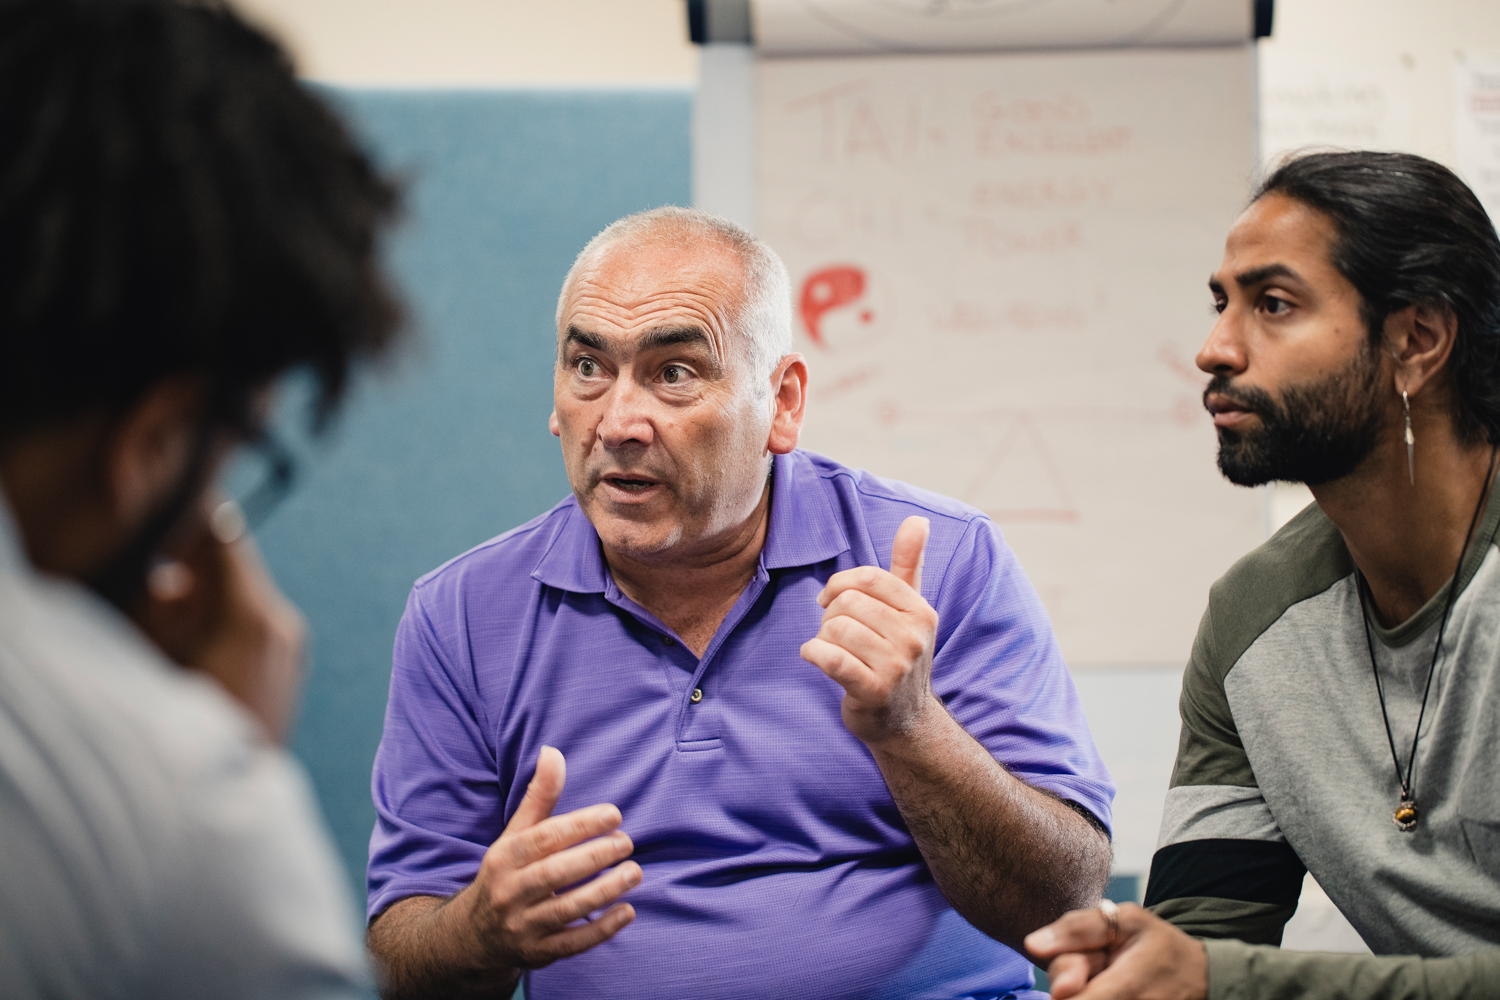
<point x="260" y="477"/>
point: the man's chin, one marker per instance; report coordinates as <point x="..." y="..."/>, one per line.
<point x="1239" y="463"/>
<point x="633" y="532"/>
<point x="1243" y="477"/>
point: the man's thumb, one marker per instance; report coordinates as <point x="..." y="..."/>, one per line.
<point x="906" y="551"/>
<point x="543" y="792"/>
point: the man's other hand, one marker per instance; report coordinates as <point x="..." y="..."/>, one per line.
<point x="212" y="606"/>
<point x="1149" y="959"/>
<point x="876" y="640"/>
<point x="516" y="909"/>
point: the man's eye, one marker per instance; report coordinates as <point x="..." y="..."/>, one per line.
<point x="1276" y="306"/>
<point x="588" y="367"/>
<point x="673" y="374"/>
<point x="1220" y="305"/>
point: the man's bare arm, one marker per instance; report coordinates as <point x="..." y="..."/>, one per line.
<point x="514" y="915"/>
<point x="1007" y="856"/>
<point x="421" y="948"/>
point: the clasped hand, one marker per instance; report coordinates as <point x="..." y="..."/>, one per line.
<point x="1148" y="958"/>
<point x="877" y="638"/>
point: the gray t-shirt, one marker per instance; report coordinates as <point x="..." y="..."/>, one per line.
<point x="152" y="843"/>
<point x="1284" y="767"/>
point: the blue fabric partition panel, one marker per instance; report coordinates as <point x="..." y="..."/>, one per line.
<point x="450" y="445"/>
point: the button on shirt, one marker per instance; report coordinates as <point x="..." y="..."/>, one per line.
<point x="775" y="862"/>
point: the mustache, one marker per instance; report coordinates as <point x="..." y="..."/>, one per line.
<point x="1251" y="398"/>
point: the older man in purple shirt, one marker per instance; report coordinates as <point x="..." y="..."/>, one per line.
<point x="880" y="823"/>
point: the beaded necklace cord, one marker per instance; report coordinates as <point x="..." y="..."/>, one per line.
<point x="1406" y="814"/>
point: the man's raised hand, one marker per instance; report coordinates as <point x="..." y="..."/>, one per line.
<point x="517" y="909"/>
<point x="876" y="640"/>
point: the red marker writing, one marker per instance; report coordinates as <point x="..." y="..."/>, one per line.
<point x="830" y="288"/>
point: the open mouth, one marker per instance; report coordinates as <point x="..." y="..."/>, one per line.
<point x="630" y="485"/>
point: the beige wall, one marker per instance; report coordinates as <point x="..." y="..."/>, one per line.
<point x="1404" y="51"/>
<point x="484" y="42"/>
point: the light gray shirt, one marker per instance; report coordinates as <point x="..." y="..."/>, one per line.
<point x="1285" y="761"/>
<point x="153" y="844"/>
<point x="1284" y="766"/>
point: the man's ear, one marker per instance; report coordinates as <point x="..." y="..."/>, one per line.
<point x="789" y="384"/>
<point x="1420" y="341"/>
<point x="150" y="446"/>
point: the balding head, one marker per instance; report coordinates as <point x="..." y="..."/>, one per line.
<point x="674" y="386"/>
<point x="762" y="313"/>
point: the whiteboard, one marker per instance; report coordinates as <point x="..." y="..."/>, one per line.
<point x="999" y="264"/>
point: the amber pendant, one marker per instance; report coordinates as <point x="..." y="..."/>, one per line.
<point x="1406" y="815"/>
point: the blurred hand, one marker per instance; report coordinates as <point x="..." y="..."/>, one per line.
<point x="517" y="909"/>
<point x="1149" y="960"/>
<point x="211" y="605"/>
<point x="876" y="640"/>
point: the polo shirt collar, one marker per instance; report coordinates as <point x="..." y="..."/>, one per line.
<point x="804" y="530"/>
<point x="573" y="561"/>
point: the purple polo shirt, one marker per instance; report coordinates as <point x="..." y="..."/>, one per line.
<point x="775" y="861"/>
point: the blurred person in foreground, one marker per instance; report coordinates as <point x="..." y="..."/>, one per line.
<point x="1341" y="708"/>
<point x="180" y="224"/>
<point x="807" y="756"/>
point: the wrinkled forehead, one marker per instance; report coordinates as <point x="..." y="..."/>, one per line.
<point x="625" y="281"/>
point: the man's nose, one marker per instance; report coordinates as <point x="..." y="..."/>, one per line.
<point x="626" y="417"/>
<point x="1223" y="353"/>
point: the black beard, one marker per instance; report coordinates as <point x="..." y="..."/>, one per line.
<point x="1319" y="431"/>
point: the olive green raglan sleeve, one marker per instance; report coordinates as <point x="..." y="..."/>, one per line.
<point x="1256" y="972"/>
<point x="1222" y="869"/>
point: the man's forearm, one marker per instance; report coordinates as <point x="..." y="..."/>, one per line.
<point x="419" y="946"/>
<point x="1007" y="856"/>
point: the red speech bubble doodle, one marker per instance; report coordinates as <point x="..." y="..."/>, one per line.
<point x="827" y="289"/>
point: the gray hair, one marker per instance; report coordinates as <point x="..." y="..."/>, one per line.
<point x="764" y="312"/>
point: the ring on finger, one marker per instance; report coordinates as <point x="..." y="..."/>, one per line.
<point x="1111" y="914"/>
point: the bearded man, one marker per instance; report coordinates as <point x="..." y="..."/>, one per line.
<point x="1340" y="709"/>
<point x="182" y="223"/>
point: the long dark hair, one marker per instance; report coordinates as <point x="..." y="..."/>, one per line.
<point x="1411" y="233"/>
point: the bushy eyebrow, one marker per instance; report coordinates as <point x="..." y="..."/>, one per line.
<point x="672" y="336"/>
<point x="592" y="341"/>
<point x="652" y="340"/>
<point x="662" y="336"/>
<point x="1254" y="276"/>
<point x="1264" y="273"/>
